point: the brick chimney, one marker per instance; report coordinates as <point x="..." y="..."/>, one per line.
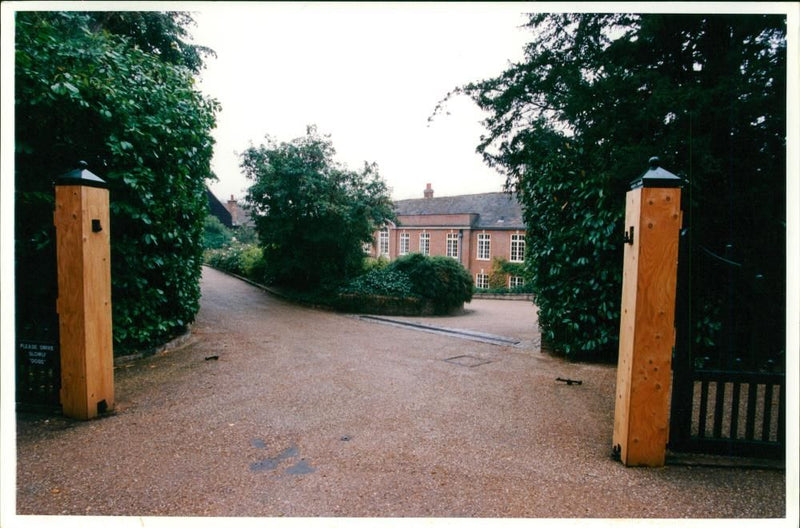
<point x="233" y="209"/>
<point x="428" y="192"/>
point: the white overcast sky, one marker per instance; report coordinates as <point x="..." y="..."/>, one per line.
<point x="369" y="75"/>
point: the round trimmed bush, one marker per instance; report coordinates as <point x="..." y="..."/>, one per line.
<point x="441" y="280"/>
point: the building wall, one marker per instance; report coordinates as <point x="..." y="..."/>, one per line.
<point x="499" y="247"/>
<point x="500" y="242"/>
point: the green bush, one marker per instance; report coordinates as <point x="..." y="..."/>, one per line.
<point x="245" y="260"/>
<point x="373" y="263"/>
<point x="215" y="234"/>
<point x="383" y="305"/>
<point x="85" y="91"/>
<point x="441" y="280"/>
<point x="381" y="281"/>
<point x="501" y="270"/>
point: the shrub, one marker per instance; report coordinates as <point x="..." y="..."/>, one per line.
<point x="373" y="263"/>
<point x="501" y="270"/>
<point x="441" y="280"/>
<point x="381" y="281"/>
<point x="380" y="304"/>
<point x="215" y="234"/>
<point x="241" y="259"/>
<point x="136" y="117"/>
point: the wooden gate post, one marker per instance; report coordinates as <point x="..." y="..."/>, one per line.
<point x="647" y="330"/>
<point x="84" y="294"/>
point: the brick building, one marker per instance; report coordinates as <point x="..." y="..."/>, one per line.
<point x="240" y="216"/>
<point x="473" y="228"/>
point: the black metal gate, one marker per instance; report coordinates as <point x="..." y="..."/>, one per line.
<point x="729" y="382"/>
<point x="38" y="359"/>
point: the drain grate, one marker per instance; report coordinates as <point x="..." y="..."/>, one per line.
<point x="468" y="361"/>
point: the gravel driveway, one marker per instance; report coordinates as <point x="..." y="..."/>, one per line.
<point x="310" y="413"/>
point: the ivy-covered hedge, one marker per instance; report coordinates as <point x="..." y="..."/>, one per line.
<point x="85" y="93"/>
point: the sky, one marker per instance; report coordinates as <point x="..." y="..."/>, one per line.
<point x="368" y="75"/>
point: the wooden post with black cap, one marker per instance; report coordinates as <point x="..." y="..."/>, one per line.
<point x="84" y="294"/>
<point x="647" y="322"/>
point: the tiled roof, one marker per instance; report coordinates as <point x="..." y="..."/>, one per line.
<point x="497" y="210"/>
<point x="216" y="208"/>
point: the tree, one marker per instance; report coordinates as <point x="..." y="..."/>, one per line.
<point x="85" y="93"/>
<point x="577" y="120"/>
<point x="215" y="233"/>
<point x="157" y="33"/>
<point x="312" y="215"/>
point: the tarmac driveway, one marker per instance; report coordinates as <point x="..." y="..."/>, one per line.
<point x="310" y="413"/>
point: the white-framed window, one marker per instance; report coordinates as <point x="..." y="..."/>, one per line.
<point x="405" y="243"/>
<point x="383" y="242"/>
<point x="482" y="280"/>
<point x="515" y="280"/>
<point x="452" y="245"/>
<point x="425" y="243"/>
<point x="366" y="247"/>
<point x="517" y="248"/>
<point x="484" y="246"/>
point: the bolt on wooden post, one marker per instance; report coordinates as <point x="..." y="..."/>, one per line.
<point x="84" y="294"/>
<point x="647" y="326"/>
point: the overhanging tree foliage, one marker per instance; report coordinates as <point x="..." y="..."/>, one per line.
<point x="595" y="97"/>
<point x="311" y="214"/>
<point x="86" y="92"/>
<point x="157" y="33"/>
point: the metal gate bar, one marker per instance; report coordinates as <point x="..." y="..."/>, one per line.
<point x="716" y="417"/>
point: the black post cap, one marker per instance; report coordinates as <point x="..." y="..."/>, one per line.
<point x="656" y="176"/>
<point x="81" y="176"/>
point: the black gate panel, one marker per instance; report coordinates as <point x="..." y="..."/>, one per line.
<point x="734" y="413"/>
<point x="729" y="389"/>
<point x="38" y="360"/>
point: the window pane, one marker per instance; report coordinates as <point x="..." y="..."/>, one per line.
<point x="484" y="247"/>
<point x="383" y="239"/>
<point x="425" y="244"/>
<point x="517" y="248"/>
<point x="404" y="243"/>
<point x="452" y="245"/>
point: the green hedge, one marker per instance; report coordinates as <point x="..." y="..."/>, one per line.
<point x="441" y="284"/>
<point x="382" y="304"/>
<point x="411" y="285"/>
<point x="441" y="280"/>
<point x="381" y="281"/>
<point x="245" y="260"/>
<point x="138" y="120"/>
